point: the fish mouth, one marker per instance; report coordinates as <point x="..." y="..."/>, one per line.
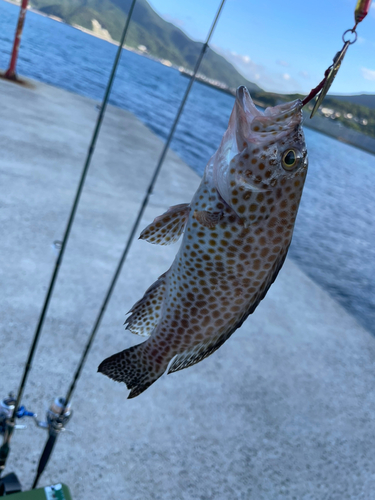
<point x="244" y="100"/>
<point x="253" y="125"/>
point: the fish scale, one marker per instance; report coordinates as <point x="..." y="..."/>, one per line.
<point x="236" y="234"/>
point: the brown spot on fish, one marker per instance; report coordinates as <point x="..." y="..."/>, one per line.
<point x="223" y="268"/>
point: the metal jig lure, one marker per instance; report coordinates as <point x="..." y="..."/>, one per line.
<point x="360" y="12"/>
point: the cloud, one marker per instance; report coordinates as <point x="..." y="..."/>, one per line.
<point x="242" y="59"/>
<point x="304" y="74"/>
<point x="244" y="63"/>
<point x="267" y="79"/>
<point x="174" y="20"/>
<point x="368" y="74"/>
<point x="283" y="63"/>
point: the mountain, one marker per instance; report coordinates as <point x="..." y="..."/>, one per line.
<point x="162" y="39"/>
<point x="367" y="100"/>
<point x="344" y="110"/>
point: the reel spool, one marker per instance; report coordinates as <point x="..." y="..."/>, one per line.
<point x="56" y="420"/>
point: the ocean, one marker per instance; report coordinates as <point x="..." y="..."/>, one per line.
<point x="334" y="237"/>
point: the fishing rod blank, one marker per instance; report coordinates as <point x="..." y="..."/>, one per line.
<point x="52" y="440"/>
<point x="4" y="450"/>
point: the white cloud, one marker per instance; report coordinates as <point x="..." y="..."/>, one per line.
<point x="174" y="20"/>
<point x="304" y="74"/>
<point x="267" y="79"/>
<point x="282" y="63"/>
<point x="368" y="74"/>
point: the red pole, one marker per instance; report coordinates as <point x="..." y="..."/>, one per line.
<point x="11" y="71"/>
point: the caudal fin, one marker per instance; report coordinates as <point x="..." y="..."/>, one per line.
<point x="134" y="367"/>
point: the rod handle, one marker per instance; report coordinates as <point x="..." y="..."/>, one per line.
<point x="45" y="457"/>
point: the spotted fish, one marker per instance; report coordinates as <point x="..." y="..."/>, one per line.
<point x="237" y="231"/>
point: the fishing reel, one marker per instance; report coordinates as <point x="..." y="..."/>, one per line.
<point x="57" y="416"/>
<point x="10" y="484"/>
<point x="6" y="411"/>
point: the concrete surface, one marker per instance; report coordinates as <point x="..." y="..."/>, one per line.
<point x="284" y="410"/>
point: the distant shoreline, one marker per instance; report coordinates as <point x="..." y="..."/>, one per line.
<point x="108" y="39"/>
<point x="319" y="124"/>
<point x="325" y="126"/>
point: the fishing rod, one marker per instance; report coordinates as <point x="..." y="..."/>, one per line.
<point x="58" y="422"/>
<point x="10" y="422"/>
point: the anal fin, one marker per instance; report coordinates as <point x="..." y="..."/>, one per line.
<point x="167" y="228"/>
<point x="145" y="313"/>
<point x="194" y="356"/>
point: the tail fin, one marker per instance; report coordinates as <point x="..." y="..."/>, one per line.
<point x="134" y="367"/>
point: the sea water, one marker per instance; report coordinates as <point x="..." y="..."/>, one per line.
<point x="334" y="238"/>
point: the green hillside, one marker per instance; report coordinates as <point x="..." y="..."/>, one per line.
<point x="367" y="100"/>
<point x="351" y="115"/>
<point x="165" y="41"/>
<point x="162" y="39"/>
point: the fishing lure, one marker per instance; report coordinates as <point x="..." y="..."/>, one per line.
<point x="360" y="12"/>
<point x="237" y="231"/>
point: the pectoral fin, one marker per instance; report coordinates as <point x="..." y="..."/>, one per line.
<point x="208" y="219"/>
<point x="167" y="228"/>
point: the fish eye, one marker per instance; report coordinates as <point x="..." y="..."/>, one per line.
<point x="291" y="159"/>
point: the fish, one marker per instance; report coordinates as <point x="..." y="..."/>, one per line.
<point x="237" y="230"/>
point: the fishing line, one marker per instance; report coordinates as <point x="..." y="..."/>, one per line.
<point x="361" y="10"/>
<point x="5" y="449"/>
<point x="52" y="439"/>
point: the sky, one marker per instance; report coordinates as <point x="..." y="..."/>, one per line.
<point x="283" y="46"/>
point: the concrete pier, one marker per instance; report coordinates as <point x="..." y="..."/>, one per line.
<point x="284" y="410"/>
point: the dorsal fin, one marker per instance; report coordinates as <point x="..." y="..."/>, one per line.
<point x="167" y="228"/>
<point x="145" y="313"/>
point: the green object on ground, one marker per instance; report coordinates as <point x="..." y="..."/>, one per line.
<point x="53" y="492"/>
